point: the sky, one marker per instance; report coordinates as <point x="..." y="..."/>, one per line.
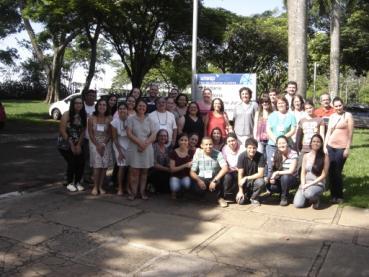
<point x="240" y="7"/>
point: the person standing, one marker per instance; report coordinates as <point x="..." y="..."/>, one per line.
<point x="325" y="110"/>
<point x="193" y="121"/>
<point x="120" y="146"/>
<point x="70" y="143"/>
<point x="163" y="119"/>
<point x="140" y="153"/>
<point x="291" y="91"/>
<point x="89" y="98"/>
<point x="217" y="117"/>
<point x="244" y="115"/>
<point x="151" y="99"/>
<point x="337" y="144"/>
<point x="205" y="102"/>
<point x="101" y="157"/>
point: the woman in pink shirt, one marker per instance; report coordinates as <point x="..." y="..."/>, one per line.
<point x="338" y="141"/>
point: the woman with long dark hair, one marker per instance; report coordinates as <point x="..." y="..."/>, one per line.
<point x="284" y="171"/>
<point x="193" y="121"/>
<point x="217" y="117"/>
<point x="101" y="157"/>
<point x="112" y="103"/>
<point x="217" y="137"/>
<point x="314" y="169"/>
<point x="180" y="161"/>
<point x="70" y="142"/>
<point x="338" y="142"/>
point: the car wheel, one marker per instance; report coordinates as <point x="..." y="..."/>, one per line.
<point x="55" y="114"/>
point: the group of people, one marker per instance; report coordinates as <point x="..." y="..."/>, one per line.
<point x="271" y="145"/>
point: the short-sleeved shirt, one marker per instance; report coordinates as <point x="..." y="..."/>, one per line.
<point x="309" y="127"/>
<point x="232" y="157"/>
<point x="250" y="166"/>
<point x="178" y="161"/>
<point x="207" y="166"/>
<point x="121" y="127"/>
<point x="324" y="113"/>
<point x="280" y="124"/>
<point x="165" y="120"/>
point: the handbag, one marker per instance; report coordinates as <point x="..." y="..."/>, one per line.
<point x="62" y="143"/>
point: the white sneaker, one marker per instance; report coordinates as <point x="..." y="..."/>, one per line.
<point x="71" y="187"/>
<point x="79" y="187"/>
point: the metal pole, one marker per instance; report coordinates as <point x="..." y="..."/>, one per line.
<point x="314" y="93"/>
<point x="194" y="48"/>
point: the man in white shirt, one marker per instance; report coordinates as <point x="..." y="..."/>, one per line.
<point x="164" y="120"/>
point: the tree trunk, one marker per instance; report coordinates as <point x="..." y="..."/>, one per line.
<point x="93" y="55"/>
<point x="297" y="46"/>
<point x="53" y="90"/>
<point x="335" y="49"/>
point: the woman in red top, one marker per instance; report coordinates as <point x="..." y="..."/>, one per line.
<point x="217" y="117"/>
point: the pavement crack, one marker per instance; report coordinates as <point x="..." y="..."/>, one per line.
<point x="337" y="215"/>
<point x="319" y="259"/>
<point x="209" y="240"/>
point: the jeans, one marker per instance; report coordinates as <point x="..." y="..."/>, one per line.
<point x="311" y="193"/>
<point x="283" y="184"/>
<point x="75" y="165"/>
<point x="230" y="184"/>
<point x="177" y="184"/>
<point x="337" y="161"/>
<point x="270" y="150"/>
<point x="252" y="189"/>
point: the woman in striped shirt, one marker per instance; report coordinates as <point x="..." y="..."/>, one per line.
<point x="283" y="175"/>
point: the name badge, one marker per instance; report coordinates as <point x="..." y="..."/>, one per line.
<point x="163" y="126"/>
<point x="208" y="174"/>
<point x="100" y="127"/>
<point x="280" y="128"/>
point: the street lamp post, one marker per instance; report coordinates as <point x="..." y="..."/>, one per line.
<point x="194" y="48"/>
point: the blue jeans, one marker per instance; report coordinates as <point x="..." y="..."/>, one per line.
<point x="311" y="193"/>
<point x="283" y="184"/>
<point x="337" y="161"/>
<point x="177" y="184"/>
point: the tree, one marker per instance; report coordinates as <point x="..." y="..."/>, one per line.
<point x="62" y="24"/>
<point x="9" y="23"/>
<point x="297" y="43"/>
<point x="141" y="30"/>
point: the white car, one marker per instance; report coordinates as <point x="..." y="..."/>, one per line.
<point x="57" y="109"/>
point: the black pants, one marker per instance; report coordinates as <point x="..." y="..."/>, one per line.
<point x="160" y="180"/>
<point x="252" y="189"/>
<point x="75" y="165"/>
<point x="337" y="162"/>
<point x="230" y="185"/>
<point x="219" y="189"/>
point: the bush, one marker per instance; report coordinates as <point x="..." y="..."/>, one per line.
<point x="21" y="90"/>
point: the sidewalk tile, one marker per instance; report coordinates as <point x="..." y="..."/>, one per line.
<point x="355" y="217"/>
<point x="276" y="256"/>
<point x="163" y="231"/>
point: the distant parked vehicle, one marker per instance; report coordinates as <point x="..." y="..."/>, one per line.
<point x="360" y="113"/>
<point x="2" y="116"/>
<point x="57" y="109"/>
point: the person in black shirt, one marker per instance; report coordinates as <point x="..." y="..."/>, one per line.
<point x="250" y="168"/>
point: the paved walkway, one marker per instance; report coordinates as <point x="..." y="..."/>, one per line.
<point x="52" y="232"/>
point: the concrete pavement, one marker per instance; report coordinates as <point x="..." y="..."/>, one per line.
<point x="53" y="232"/>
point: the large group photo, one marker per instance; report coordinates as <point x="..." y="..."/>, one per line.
<point x="184" y="138"/>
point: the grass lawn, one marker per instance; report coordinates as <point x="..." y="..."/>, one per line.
<point x="27" y="113"/>
<point x="356" y="171"/>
